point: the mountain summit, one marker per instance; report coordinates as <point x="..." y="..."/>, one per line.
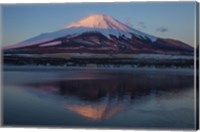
<point x="100" y="21"/>
<point x="107" y="25"/>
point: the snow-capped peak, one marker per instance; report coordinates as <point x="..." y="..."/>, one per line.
<point x="104" y="22"/>
<point x="100" y="21"/>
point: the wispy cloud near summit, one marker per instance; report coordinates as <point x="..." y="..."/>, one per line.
<point x="162" y="29"/>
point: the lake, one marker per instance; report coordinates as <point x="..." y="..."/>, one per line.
<point x="137" y="98"/>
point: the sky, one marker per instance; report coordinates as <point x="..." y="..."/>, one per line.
<point x="174" y="20"/>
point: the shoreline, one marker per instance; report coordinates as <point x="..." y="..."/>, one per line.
<point x="43" y="68"/>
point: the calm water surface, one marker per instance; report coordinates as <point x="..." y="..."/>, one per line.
<point x="131" y="98"/>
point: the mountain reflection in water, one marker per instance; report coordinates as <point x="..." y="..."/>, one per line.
<point x="98" y="97"/>
<point x="125" y="98"/>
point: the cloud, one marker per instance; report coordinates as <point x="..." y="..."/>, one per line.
<point x="137" y="25"/>
<point x="128" y="21"/>
<point x="162" y="29"/>
<point x="141" y="24"/>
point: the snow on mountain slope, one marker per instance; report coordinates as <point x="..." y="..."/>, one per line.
<point x="51" y="44"/>
<point x="94" y="23"/>
<point x="101" y="21"/>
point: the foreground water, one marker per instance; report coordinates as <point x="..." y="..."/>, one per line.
<point x="111" y="98"/>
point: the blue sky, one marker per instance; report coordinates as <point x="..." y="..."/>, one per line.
<point x="165" y="19"/>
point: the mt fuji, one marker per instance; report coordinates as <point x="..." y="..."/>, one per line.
<point x="102" y="34"/>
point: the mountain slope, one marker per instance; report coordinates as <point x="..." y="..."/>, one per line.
<point x="99" y="34"/>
